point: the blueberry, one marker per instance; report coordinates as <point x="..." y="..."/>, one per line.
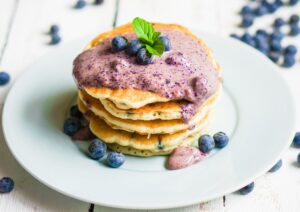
<point x="289" y="60"/>
<point x="246" y="37"/>
<point x="277" y="35"/>
<point x="246" y="10"/>
<point x="294" y="29"/>
<point x="274" y="56"/>
<point x="279" y="3"/>
<point x="55" y="39"/>
<point x="133" y="47"/>
<point x="206" y="143"/>
<point x="262" y="46"/>
<point x="4" y="78"/>
<point x="74" y="112"/>
<point x="298" y="159"/>
<point x="247" y="189"/>
<point x="221" y="139"/>
<point x="296" y="140"/>
<point x="278" y="22"/>
<point x="115" y="159"/>
<point x="276" y="167"/>
<point x="54" y="29"/>
<point x="293" y="2"/>
<point x="235" y="36"/>
<point x="71" y="126"/>
<point x="165" y="40"/>
<point x="119" y="43"/>
<point x="261" y="32"/>
<point x="80" y="4"/>
<point x="97" y="149"/>
<point x="6" y="185"/>
<point x="143" y="57"/>
<point x="275" y="45"/>
<point x="261" y="10"/>
<point x="272" y="7"/>
<point x="290" y="49"/>
<point x="247" y="20"/>
<point x="98" y="2"/>
<point x="294" y="19"/>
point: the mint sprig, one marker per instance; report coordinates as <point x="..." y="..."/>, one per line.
<point x="148" y="36"/>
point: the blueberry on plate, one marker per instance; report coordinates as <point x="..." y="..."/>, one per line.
<point x="97" y="149"/>
<point x="119" y="43"/>
<point x="246" y="10"/>
<point x="143" y="57"/>
<point x="206" y="143"/>
<point x="115" y="159"/>
<point x="276" y="167"/>
<point x="6" y="185"/>
<point x="54" y="29"/>
<point x="289" y="60"/>
<point x="75" y="112"/>
<point x="261" y="10"/>
<point x="275" y="45"/>
<point x="293" y="2"/>
<point x="274" y="56"/>
<point x="221" y="139"/>
<point x="4" y="78"/>
<point x="166" y="42"/>
<point x="298" y="159"/>
<point x="247" y="189"/>
<point x="133" y="47"/>
<point x="296" y="140"/>
<point x="294" y="19"/>
<point x="55" y="39"/>
<point x="279" y="22"/>
<point x="294" y="29"/>
<point x="71" y="126"/>
<point x="247" y="20"/>
<point x="80" y="4"/>
<point x="290" y="49"/>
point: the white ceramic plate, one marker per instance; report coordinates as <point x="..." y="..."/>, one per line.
<point x="256" y="110"/>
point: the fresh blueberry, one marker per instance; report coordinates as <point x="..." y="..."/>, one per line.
<point x="55" y="39"/>
<point x="275" y="45"/>
<point x="98" y="2"/>
<point x="221" y="139"/>
<point x="279" y="3"/>
<point x="54" y="29"/>
<point x="261" y="10"/>
<point x="80" y="4"/>
<point x="272" y="7"/>
<point x="293" y="2"/>
<point x="290" y="49"/>
<point x="246" y="37"/>
<point x="294" y="29"/>
<point x="247" y="189"/>
<point x="262" y="46"/>
<point x="143" y="57"/>
<point x="97" y="149"/>
<point x="261" y="32"/>
<point x="74" y="112"/>
<point x="278" y="22"/>
<point x="296" y="140"/>
<point x="165" y="40"/>
<point x="289" y="60"/>
<point x="115" y="159"/>
<point x="274" y="56"/>
<point x="4" y="78"/>
<point x="71" y="126"/>
<point x="119" y="43"/>
<point x="247" y="20"/>
<point x="294" y="19"/>
<point x="298" y="159"/>
<point x="133" y="47"/>
<point x="276" y="167"/>
<point x="235" y="36"/>
<point x="206" y="143"/>
<point x="6" y="185"/>
<point x="246" y="10"/>
<point x="277" y="35"/>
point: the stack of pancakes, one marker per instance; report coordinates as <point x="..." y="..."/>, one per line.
<point x="140" y="122"/>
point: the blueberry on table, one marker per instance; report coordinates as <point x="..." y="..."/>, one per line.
<point x="261" y="10"/>
<point x="279" y="22"/>
<point x="276" y="167"/>
<point x="277" y="35"/>
<point x="6" y="185"/>
<point x="97" y="149"/>
<point x="54" y="29"/>
<point x="246" y="37"/>
<point x="4" y="78"/>
<point x="294" y="19"/>
<point x="55" y="39"/>
<point x="206" y="143"/>
<point x="247" y="20"/>
<point x="272" y="7"/>
<point x="261" y="32"/>
<point x="289" y="60"/>
<point x="143" y="57"/>
<point x="262" y="46"/>
<point x="275" y="45"/>
<point x="274" y="56"/>
<point x="133" y="47"/>
<point x="290" y="49"/>
<point x="221" y="139"/>
<point x="247" y="189"/>
<point x="293" y="2"/>
<point x="294" y="29"/>
<point x="98" y="2"/>
<point x="74" y="112"/>
<point x="246" y="10"/>
<point x="166" y="42"/>
<point x="71" y="126"/>
<point x="80" y="4"/>
<point x="119" y="43"/>
<point x="296" y="140"/>
<point x="279" y="3"/>
<point x="115" y="159"/>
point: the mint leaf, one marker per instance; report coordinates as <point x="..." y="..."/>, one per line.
<point x="157" y="48"/>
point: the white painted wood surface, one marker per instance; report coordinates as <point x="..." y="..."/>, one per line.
<point x="23" y="39"/>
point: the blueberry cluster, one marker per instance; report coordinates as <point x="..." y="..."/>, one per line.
<point x="206" y="143"/>
<point x="82" y="3"/>
<point x="77" y="127"/>
<point x="54" y="33"/>
<point x="136" y="48"/>
<point x="296" y="143"/>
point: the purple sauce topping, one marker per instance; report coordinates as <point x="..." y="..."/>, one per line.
<point x="185" y="72"/>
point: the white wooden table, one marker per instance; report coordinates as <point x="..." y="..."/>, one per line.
<point x="23" y="39"/>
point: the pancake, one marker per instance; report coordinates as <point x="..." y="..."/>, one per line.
<point x="133" y="98"/>
<point x="140" y="126"/>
